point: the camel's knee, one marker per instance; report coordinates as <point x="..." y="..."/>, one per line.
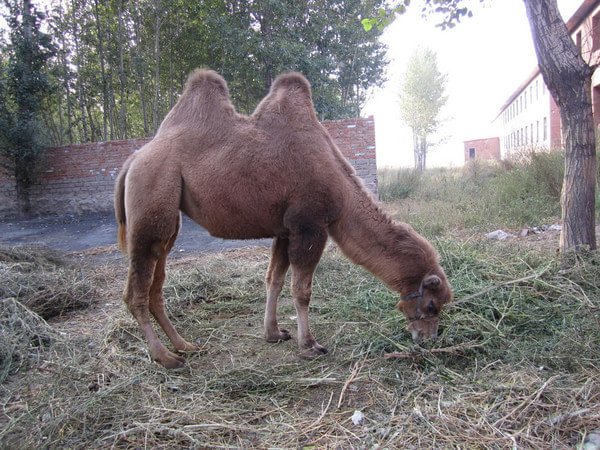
<point x="136" y="305"/>
<point x="274" y="281"/>
<point x="302" y="291"/>
<point x="156" y="305"/>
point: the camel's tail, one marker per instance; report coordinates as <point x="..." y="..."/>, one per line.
<point x="120" y="206"/>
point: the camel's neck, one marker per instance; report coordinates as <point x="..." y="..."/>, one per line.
<point x="393" y="252"/>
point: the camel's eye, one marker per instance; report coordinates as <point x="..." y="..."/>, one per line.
<point x="431" y="309"/>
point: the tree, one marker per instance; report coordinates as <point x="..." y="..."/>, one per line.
<point x="568" y="78"/>
<point x="421" y="99"/>
<point x="122" y="64"/>
<point x="24" y="84"/>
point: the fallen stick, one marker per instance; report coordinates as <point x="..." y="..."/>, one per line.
<point x="454" y="349"/>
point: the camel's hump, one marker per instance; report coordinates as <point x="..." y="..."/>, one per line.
<point x="205" y="78"/>
<point x="292" y="81"/>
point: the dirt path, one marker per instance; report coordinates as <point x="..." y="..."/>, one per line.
<point x="75" y="234"/>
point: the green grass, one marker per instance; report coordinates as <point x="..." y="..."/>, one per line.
<point x="479" y="196"/>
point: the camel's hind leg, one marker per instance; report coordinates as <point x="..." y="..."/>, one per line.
<point x="157" y="302"/>
<point x="278" y="267"/>
<point x="136" y="296"/>
<point x="143" y="293"/>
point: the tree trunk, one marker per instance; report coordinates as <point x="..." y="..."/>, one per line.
<point x="25" y="161"/>
<point x="568" y="78"/>
<point x="156" y="121"/>
<point x="139" y="62"/>
<point x="122" y="113"/>
<point x="105" y="97"/>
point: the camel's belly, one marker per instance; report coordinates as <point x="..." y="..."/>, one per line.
<point x="232" y="221"/>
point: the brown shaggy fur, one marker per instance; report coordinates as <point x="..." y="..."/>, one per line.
<point x="278" y="174"/>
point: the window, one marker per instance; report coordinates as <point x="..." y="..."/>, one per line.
<point x="596" y="32"/>
<point x="578" y="40"/>
<point x="545" y="129"/>
<point x="531" y="133"/>
<point x="471" y="153"/>
<point x="537" y="132"/>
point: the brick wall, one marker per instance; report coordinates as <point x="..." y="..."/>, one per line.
<point x="79" y="179"/>
<point x="482" y="149"/>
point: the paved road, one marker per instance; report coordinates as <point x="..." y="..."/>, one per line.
<point x="73" y="234"/>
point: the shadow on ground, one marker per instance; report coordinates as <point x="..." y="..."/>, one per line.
<point x="76" y="234"/>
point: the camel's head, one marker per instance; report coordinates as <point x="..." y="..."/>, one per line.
<point x="422" y="307"/>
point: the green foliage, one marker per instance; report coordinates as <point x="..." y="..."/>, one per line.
<point x="24" y="84"/>
<point x="122" y="65"/>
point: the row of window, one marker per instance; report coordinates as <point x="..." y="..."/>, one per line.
<point x="528" y="135"/>
<point x="520" y="103"/>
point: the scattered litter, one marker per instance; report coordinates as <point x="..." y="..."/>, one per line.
<point x="357" y="417"/>
<point x="499" y="235"/>
<point x="592" y="441"/>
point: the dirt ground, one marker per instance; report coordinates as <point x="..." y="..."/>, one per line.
<point x="78" y="234"/>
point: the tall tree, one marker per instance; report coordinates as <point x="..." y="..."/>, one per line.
<point x="422" y="96"/>
<point x="24" y="83"/>
<point x="568" y="78"/>
<point x="124" y="63"/>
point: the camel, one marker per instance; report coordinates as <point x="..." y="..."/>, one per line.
<point x="273" y="174"/>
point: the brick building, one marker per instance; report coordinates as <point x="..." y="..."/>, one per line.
<point x="530" y="118"/>
<point x="488" y="149"/>
<point x="79" y="179"/>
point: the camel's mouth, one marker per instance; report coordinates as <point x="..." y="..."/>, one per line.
<point x="423" y="329"/>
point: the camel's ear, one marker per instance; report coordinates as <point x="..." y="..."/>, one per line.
<point x="431" y="282"/>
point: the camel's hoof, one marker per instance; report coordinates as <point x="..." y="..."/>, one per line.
<point x="314" y="352"/>
<point x="283" y="335"/>
<point x="171" y="361"/>
<point x="189" y="348"/>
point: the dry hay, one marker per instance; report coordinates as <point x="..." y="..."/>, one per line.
<point x="22" y="334"/>
<point x="515" y="367"/>
<point x="45" y="281"/>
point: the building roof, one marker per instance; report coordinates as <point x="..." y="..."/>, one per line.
<point x="576" y="19"/>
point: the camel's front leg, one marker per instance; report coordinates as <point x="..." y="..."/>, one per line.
<point x="278" y="267"/>
<point x="301" y="290"/>
<point x="306" y="247"/>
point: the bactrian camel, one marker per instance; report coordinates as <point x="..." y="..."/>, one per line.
<point x="274" y="174"/>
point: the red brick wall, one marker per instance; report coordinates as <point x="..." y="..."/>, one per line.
<point x="484" y="149"/>
<point x="80" y="178"/>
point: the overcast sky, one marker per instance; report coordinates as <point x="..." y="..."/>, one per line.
<point x="485" y="59"/>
